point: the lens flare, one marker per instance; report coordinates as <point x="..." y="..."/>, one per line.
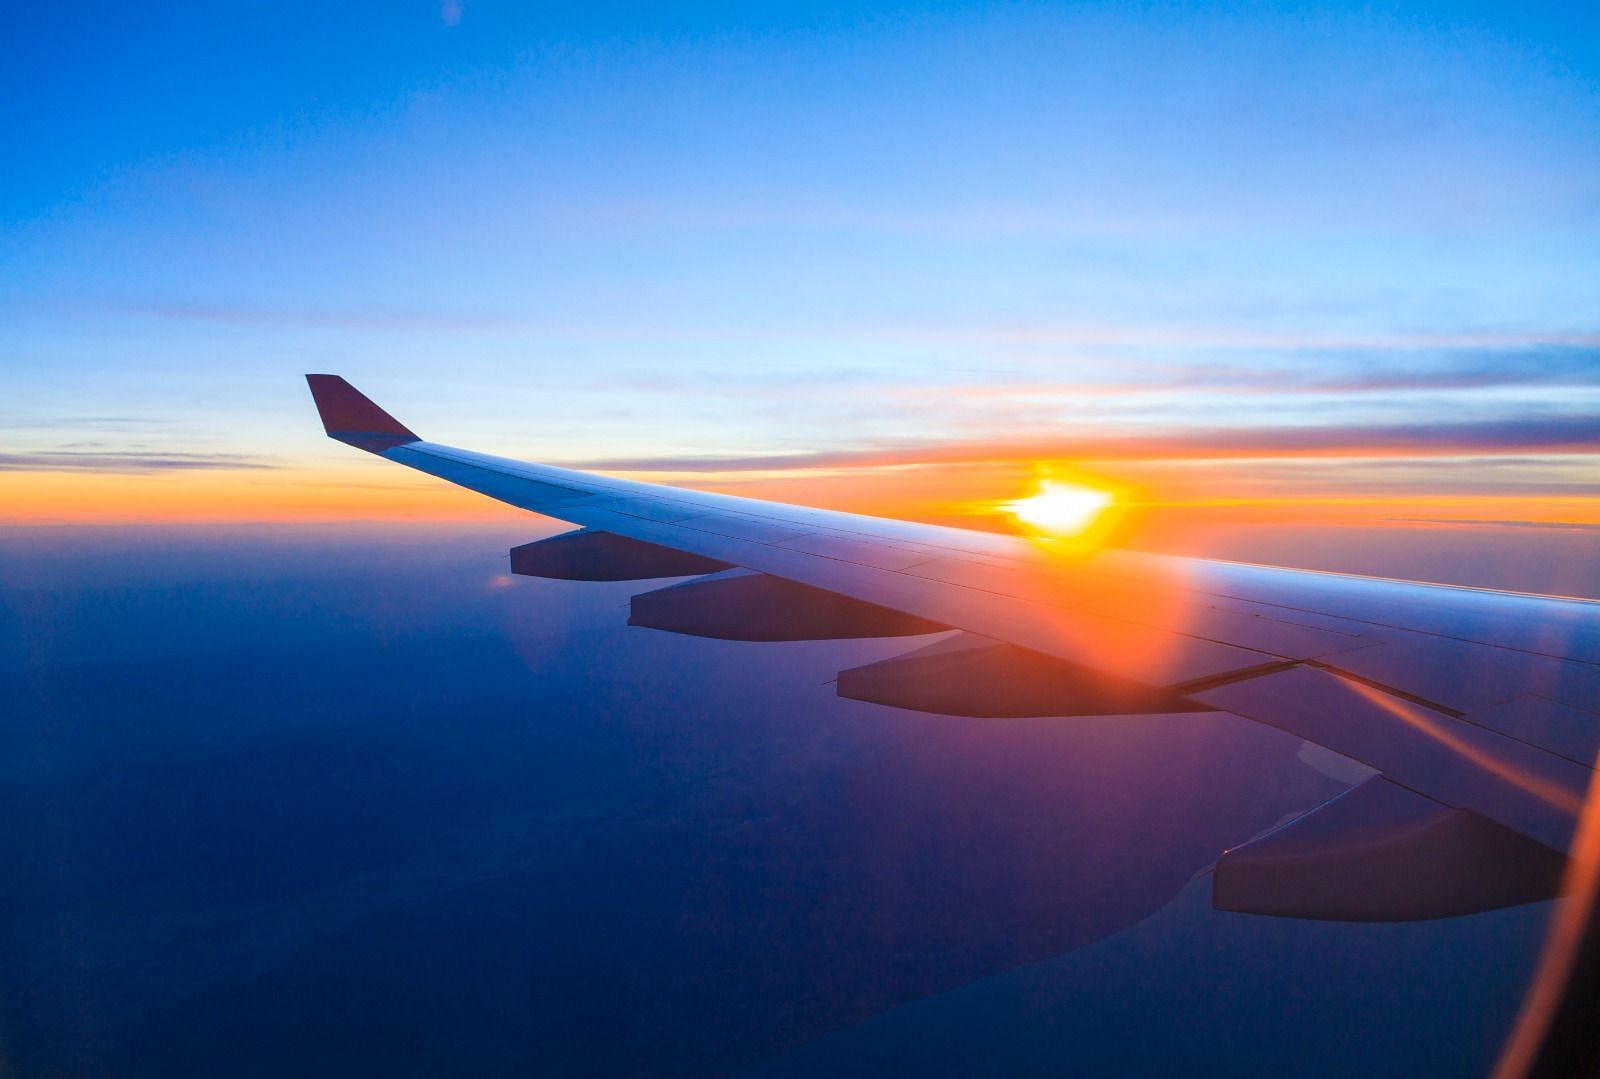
<point x="1061" y="509"/>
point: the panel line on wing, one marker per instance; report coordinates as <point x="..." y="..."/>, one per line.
<point x="1462" y="717"/>
<point x="1211" y="593"/>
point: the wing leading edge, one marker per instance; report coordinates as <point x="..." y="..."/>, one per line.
<point x="1479" y="708"/>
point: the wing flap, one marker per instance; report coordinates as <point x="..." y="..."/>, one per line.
<point x="1458" y="763"/>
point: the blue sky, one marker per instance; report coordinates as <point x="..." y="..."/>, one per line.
<point x="670" y="232"/>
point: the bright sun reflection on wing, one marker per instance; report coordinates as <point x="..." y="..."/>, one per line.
<point x="1062" y="509"/>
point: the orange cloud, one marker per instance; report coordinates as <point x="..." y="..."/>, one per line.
<point x="1540" y="435"/>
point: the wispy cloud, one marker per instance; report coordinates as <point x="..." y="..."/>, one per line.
<point x="1338" y="373"/>
<point x="12" y="421"/>
<point x="1561" y="526"/>
<point x="1112" y="335"/>
<point x="1562" y="434"/>
<point x="81" y="461"/>
<point x="1475" y="367"/>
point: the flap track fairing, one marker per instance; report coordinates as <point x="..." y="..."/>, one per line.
<point x="588" y="555"/>
<point x="740" y="605"/>
<point x="969" y="675"/>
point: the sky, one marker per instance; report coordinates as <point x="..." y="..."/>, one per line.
<point x="1326" y="261"/>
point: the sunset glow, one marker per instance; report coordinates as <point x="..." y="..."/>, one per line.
<point x="1061" y="509"/>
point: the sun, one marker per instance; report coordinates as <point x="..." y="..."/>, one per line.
<point x="1061" y="509"/>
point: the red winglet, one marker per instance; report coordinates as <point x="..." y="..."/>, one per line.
<point x="349" y="416"/>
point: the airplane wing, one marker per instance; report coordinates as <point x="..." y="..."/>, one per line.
<point x="1478" y="712"/>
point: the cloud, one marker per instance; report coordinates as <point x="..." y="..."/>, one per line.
<point x="79" y="461"/>
<point x="1560" y="526"/>
<point x="1401" y="369"/>
<point x="1539" y="368"/>
<point x="13" y="422"/>
<point x="1111" y="335"/>
<point x="1560" y="435"/>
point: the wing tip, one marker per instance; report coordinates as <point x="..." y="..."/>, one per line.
<point x="351" y="416"/>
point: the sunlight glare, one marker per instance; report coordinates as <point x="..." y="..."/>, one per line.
<point x="1062" y="509"/>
